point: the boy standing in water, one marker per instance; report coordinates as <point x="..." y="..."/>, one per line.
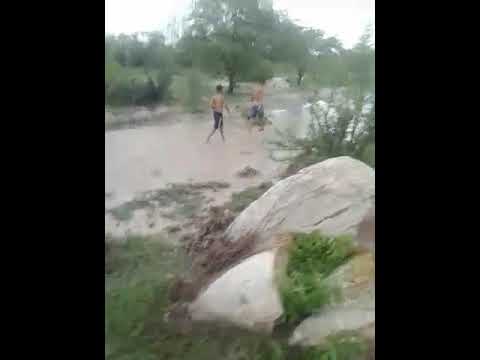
<point x="217" y="102"/>
<point x="256" y="110"/>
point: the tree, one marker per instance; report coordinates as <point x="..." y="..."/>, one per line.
<point x="301" y="46"/>
<point x="225" y="32"/>
<point x="125" y="55"/>
<point x="361" y="62"/>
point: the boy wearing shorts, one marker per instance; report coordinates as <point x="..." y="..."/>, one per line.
<point x="217" y="102"/>
<point x="256" y="112"/>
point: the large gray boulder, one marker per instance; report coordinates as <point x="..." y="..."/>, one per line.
<point x="245" y="295"/>
<point x="335" y="196"/>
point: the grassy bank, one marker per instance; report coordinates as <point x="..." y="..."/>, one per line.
<point x="138" y="275"/>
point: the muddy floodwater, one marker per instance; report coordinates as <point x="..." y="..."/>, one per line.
<point x="151" y="157"/>
<point x="147" y="158"/>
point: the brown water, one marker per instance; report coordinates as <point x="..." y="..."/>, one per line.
<point x="151" y="157"/>
<point x="147" y="158"/>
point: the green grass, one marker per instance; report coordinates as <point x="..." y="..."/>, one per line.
<point x="312" y="257"/>
<point x="138" y="275"/>
<point x="241" y="200"/>
<point x="340" y="347"/>
<point x="137" y="280"/>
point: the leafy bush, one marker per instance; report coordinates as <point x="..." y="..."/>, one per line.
<point x="312" y="257"/>
<point x="190" y="89"/>
<point x="344" y="127"/>
<point x="129" y="87"/>
<point x="327" y="71"/>
<point x="262" y="70"/>
<point x="137" y="72"/>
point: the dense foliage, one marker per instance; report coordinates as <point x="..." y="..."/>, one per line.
<point x="235" y="40"/>
<point x="138" y="69"/>
<point x="312" y="257"/>
<point x="343" y="123"/>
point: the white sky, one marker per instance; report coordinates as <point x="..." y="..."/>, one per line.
<point x="345" y="19"/>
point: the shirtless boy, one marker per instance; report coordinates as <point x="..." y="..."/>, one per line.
<point x="256" y="110"/>
<point x="217" y="102"/>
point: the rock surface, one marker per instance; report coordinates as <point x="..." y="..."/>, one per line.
<point x="356" y="316"/>
<point x="245" y="295"/>
<point x="334" y="196"/>
<point x="337" y="197"/>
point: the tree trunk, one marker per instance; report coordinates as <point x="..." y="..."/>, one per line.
<point x="299" y="77"/>
<point x="231" y="83"/>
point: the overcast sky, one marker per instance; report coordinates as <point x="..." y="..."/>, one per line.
<point x="345" y="19"/>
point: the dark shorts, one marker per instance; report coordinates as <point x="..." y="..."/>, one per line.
<point x="217" y="120"/>
<point x="254" y="111"/>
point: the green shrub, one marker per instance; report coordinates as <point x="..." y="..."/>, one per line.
<point x="284" y="69"/>
<point x="317" y="253"/>
<point x="312" y="257"/>
<point x="190" y="88"/>
<point x="128" y="86"/>
<point x="261" y="71"/>
<point x="351" y="132"/>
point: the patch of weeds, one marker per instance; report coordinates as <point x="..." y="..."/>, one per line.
<point x="209" y="185"/>
<point x="124" y="212"/>
<point x="186" y="197"/>
<point x="241" y="200"/>
<point x="171" y="229"/>
<point x="189" y="209"/>
<point x="174" y="194"/>
<point x="338" y="347"/>
<point x="137" y="290"/>
<point x="314" y="252"/>
<point x="301" y="161"/>
<point x="138" y="287"/>
<point x="312" y="257"/>
<point x="247" y="172"/>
